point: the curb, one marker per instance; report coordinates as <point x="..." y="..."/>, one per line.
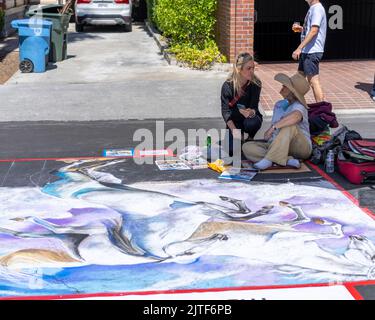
<point x="363" y="111"/>
<point x="162" y="44"/>
<point x="8" y="45"/>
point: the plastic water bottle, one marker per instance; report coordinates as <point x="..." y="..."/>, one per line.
<point x="330" y="162"/>
<point x="208" y="146"/>
<point x="208" y="141"/>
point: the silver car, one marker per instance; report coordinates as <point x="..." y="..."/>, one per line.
<point x="103" y="12"/>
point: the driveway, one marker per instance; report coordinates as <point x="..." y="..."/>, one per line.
<point x="111" y="75"/>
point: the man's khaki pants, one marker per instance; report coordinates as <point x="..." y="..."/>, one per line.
<point x="289" y="143"/>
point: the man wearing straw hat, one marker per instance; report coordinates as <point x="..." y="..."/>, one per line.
<point x="288" y="138"/>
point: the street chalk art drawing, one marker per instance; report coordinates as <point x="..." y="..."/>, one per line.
<point x="87" y="231"/>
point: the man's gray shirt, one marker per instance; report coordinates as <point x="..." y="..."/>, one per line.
<point x="316" y="16"/>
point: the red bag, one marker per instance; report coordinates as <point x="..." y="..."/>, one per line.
<point x="365" y="147"/>
<point x="357" y="173"/>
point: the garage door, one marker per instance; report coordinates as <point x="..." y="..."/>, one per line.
<point x="351" y="32"/>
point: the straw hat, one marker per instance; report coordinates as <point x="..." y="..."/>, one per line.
<point x="297" y="84"/>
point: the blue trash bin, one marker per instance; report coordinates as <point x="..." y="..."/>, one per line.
<point x="34" y="43"/>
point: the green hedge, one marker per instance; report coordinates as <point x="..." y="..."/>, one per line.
<point x="2" y="19"/>
<point x="150" y="10"/>
<point x="189" y="27"/>
<point x="191" y="56"/>
<point x="187" y="21"/>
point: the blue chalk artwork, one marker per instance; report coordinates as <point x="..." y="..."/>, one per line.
<point x="86" y="231"/>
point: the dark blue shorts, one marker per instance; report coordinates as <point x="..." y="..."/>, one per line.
<point x="309" y="63"/>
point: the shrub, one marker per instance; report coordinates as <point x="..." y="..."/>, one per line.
<point x="196" y="58"/>
<point x="189" y="27"/>
<point x="150" y="10"/>
<point x="186" y="21"/>
<point x="2" y="20"/>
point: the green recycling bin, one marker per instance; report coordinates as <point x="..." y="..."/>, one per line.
<point x="60" y="25"/>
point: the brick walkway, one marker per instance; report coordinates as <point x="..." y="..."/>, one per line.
<point x="346" y="84"/>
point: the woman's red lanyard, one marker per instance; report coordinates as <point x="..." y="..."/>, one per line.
<point x="238" y="96"/>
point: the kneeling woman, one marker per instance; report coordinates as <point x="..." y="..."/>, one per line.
<point x="240" y="99"/>
<point x="288" y="138"/>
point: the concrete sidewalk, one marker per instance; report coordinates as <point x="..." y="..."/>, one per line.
<point x="108" y="54"/>
<point x="111" y="75"/>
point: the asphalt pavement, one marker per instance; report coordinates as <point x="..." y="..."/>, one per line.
<point x="44" y="139"/>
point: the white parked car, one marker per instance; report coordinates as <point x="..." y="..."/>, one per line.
<point x="103" y="12"/>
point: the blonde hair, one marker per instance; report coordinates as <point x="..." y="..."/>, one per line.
<point x="234" y="77"/>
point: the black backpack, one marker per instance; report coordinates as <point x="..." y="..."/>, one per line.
<point x="337" y="143"/>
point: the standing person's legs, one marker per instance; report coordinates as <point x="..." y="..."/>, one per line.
<point x="316" y="87"/>
<point x="309" y="67"/>
<point x="373" y="89"/>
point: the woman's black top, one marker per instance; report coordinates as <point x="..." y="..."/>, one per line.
<point x="250" y="99"/>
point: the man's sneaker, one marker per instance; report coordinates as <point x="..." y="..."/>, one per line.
<point x="373" y="94"/>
